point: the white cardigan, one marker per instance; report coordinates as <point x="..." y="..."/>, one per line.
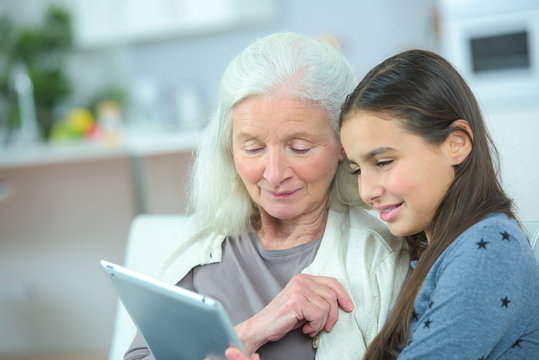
<point x="357" y="249"/>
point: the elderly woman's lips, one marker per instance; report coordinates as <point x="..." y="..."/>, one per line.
<point x="282" y="194"/>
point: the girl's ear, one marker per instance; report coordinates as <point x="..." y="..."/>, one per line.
<point x="459" y="143"/>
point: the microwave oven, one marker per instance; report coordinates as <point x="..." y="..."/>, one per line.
<point x="495" y="45"/>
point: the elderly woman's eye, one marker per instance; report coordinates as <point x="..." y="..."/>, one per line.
<point x="300" y="150"/>
<point x="300" y="147"/>
<point x="252" y="147"/>
<point x="253" y="150"/>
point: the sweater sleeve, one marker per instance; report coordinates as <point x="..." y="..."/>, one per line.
<point x="138" y="349"/>
<point x="475" y="298"/>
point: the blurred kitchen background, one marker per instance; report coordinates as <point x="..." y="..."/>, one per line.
<point x="101" y="103"/>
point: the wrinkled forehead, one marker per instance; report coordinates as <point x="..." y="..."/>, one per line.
<point x="282" y="116"/>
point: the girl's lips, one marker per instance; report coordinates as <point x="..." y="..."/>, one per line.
<point x="388" y="213"/>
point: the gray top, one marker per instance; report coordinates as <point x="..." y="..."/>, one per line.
<point x="246" y="280"/>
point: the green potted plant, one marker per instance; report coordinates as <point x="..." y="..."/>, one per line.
<point x="42" y="50"/>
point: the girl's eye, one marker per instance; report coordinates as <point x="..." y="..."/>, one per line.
<point x="383" y="163"/>
<point x="356" y="171"/>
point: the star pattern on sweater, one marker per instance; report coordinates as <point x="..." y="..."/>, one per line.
<point x="517" y="344"/>
<point x="415" y="317"/>
<point x="488" y="244"/>
<point x="482" y="244"/>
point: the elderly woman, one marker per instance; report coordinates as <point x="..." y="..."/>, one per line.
<point x="279" y="235"/>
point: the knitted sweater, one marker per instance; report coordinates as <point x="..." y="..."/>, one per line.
<point x="480" y="300"/>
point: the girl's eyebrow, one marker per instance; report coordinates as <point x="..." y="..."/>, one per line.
<point x="371" y="154"/>
<point x="377" y="151"/>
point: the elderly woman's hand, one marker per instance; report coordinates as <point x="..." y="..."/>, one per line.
<point x="309" y="301"/>
<point x="233" y="353"/>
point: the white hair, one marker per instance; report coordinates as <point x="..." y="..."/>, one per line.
<point x="283" y="64"/>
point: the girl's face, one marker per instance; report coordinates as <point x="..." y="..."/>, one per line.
<point x="399" y="174"/>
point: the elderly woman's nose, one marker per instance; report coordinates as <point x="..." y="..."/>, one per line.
<point x="275" y="167"/>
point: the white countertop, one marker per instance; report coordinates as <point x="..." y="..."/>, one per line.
<point x="135" y="144"/>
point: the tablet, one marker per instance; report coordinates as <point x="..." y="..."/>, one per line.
<point x="176" y="323"/>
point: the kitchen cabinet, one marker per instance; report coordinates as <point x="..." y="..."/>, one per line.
<point x="62" y="209"/>
<point x="57" y="221"/>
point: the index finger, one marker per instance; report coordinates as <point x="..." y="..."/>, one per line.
<point x="344" y="300"/>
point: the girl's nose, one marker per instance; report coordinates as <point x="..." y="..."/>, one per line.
<point x="369" y="188"/>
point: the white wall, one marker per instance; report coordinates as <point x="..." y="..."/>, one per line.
<point x="516" y="136"/>
<point x="509" y="99"/>
<point x="368" y="31"/>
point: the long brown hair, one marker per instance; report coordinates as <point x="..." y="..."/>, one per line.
<point x="426" y="94"/>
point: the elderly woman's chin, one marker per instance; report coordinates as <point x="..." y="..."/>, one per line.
<point x="293" y="208"/>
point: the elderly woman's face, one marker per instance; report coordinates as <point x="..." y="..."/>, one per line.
<point x="286" y="154"/>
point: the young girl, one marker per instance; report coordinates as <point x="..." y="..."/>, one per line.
<point x="414" y="136"/>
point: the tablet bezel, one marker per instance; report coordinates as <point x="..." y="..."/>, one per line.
<point x="175" y="322"/>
